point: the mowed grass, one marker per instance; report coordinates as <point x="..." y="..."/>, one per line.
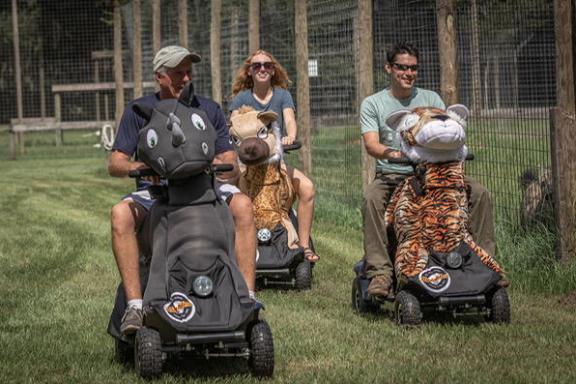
<point x="58" y="279"/>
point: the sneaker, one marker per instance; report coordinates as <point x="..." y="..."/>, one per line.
<point x="380" y="286"/>
<point x="131" y="321"/>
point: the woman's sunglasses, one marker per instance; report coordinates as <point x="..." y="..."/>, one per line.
<point x="267" y="66"/>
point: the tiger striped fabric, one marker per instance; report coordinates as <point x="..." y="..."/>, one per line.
<point x="435" y="219"/>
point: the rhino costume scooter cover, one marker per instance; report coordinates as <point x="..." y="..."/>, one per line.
<point x="191" y="228"/>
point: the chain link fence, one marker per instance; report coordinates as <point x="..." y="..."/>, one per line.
<point x="506" y="73"/>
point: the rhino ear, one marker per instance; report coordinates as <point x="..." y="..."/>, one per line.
<point x="187" y="94"/>
<point x="267" y="117"/>
<point x="460" y="110"/>
<point x="395" y="118"/>
<point x="142" y="110"/>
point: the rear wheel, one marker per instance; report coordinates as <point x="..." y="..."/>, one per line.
<point x="407" y="309"/>
<point x="148" y="353"/>
<point x="123" y="352"/>
<point x="261" y="361"/>
<point x="303" y="275"/>
<point x="358" y="303"/>
<point x="500" y="306"/>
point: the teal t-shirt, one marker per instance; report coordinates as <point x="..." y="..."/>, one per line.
<point x="280" y="100"/>
<point x="377" y="107"/>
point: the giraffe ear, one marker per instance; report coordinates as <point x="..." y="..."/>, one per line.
<point x="143" y="111"/>
<point x="267" y="117"/>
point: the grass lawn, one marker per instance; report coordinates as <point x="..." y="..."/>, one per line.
<point x="58" y="278"/>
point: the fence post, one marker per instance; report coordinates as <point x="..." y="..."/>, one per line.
<point x="254" y="25"/>
<point x="136" y="10"/>
<point x="303" y="85"/>
<point x="156" y="26"/>
<point x="183" y="22"/>
<point x="365" y="77"/>
<point x="118" y="69"/>
<point x="215" y="27"/>
<point x="446" y="21"/>
<point x="562" y="135"/>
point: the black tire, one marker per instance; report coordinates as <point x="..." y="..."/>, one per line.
<point x="499" y="306"/>
<point x="148" y="353"/>
<point x="358" y="303"/>
<point x="123" y="352"/>
<point x="407" y="309"/>
<point x="261" y="361"/>
<point x="303" y="276"/>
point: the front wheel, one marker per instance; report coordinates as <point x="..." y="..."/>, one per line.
<point x="407" y="309"/>
<point x="148" y="353"/>
<point x="261" y="361"/>
<point x="303" y="275"/>
<point x="123" y="352"/>
<point x="500" y="306"/>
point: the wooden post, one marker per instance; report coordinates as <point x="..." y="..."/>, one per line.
<point x="563" y="132"/>
<point x="303" y="85"/>
<point x="17" y="64"/>
<point x="156" y="26"/>
<point x="365" y="76"/>
<point x="446" y="20"/>
<point x="183" y="22"/>
<point x="475" y="68"/>
<point x="118" y="68"/>
<point x="137" y="15"/>
<point x="254" y="26"/>
<point x="215" y="27"/>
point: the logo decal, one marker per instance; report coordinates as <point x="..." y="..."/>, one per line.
<point x="435" y="279"/>
<point x="198" y="122"/>
<point x="180" y="308"/>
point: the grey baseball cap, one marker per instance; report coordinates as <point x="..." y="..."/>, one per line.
<point x="173" y="55"/>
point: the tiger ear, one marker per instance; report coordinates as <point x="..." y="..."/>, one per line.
<point x="460" y="110"/>
<point x="395" y="118"/>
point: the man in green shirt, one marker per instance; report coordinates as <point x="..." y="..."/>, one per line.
<point x="381" y="143"/>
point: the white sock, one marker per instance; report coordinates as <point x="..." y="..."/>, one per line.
<point x="252" y="295"/>
<point x="136" y="303"/>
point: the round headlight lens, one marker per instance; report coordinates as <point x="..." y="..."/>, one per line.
<point x="454" y="260"/>
<point x="203" y="286"/>
<point x="264" y="235"/>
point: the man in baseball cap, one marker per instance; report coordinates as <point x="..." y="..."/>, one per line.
<point x="173" y="55"/>
<point x="172" y="71"/>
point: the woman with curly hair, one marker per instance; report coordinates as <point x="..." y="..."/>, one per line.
<point x="262" y="83"/>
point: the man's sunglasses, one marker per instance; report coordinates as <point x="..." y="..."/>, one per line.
<point x="267" y="66"/>
<point x="404" y="67"/>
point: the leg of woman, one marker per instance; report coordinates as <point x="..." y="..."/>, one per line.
<point x="304" y="188"/>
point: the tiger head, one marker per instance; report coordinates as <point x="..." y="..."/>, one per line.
<point x="431" y="135"/>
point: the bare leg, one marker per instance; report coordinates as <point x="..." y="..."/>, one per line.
<point x="305" y="190"/>
<point x="125" y="245"/>
<point x="245" y="242"/>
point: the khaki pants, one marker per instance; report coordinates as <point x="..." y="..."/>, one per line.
<point x="376" y="198"/>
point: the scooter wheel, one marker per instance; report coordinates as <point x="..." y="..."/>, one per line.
<point x="303" y="276"/>
<point x="407" y="309"/>
<point x="123" y="352"/>
<point x="358" y="303"/>
<point x="148" y="353"/>
<point x="499" y="306"/>
<point x="261" y="361"/>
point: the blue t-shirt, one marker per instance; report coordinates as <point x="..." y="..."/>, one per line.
<point x="127" y="134"/>
<point x="280" y="100"/>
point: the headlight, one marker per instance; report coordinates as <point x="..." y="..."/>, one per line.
<point x="454" y="260"/>
<point x="203" y="286"/>
<point x="264" y="235"/>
